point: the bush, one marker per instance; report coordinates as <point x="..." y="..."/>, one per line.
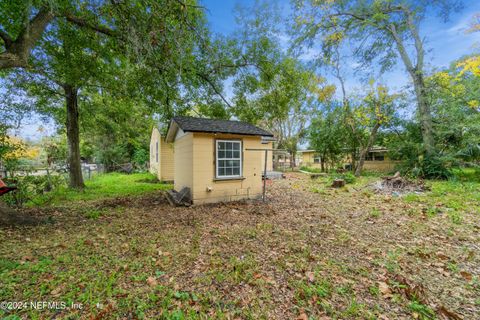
<point x="433" y="167"/>
<point x="141" y="157"/>
<point x="29" y="187"/>
<point x="347" y="176"/>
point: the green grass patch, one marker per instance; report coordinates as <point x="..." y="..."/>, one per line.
<point x="104" y="186"/>
<point x="310" y="169"/>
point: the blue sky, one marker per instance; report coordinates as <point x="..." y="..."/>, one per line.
<point x="446" y="41"/>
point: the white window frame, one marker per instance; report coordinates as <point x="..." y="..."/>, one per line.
<point x="217" y="176"/>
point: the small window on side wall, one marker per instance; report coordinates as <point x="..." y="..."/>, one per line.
<point x="228" y="159"/>
<point x="156" y="151"/>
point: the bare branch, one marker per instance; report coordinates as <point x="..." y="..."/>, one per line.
<point x="214" y="87"/>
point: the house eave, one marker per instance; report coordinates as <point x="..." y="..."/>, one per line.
<point x="172" y="131"/>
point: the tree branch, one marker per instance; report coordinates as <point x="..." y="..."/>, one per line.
<point x="18" y="51"/>
<point x="86" y="24"/>
<point x="214" y="87"/>
<point x="6" y="38"/>
<point x="418" y="42"/>
<point x="401" y="48"/>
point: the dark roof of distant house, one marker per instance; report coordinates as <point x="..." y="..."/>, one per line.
<point x="192" y="124"/>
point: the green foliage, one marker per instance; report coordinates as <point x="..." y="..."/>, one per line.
<point x="424" y="312"/>
<point x="327" y="134"/>
<point x="93" y="214"/>
<point x="30" y="187"/>
<point x="310" y="169"/>
<point x="141" y="157"/>
<point x="348" y="177"/>
<point x="435" y="167"/>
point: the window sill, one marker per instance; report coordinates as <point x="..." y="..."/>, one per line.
<point x="228" y="179"/>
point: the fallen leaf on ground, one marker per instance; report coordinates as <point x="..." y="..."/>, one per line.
<point x="152" y="282"/>
<point x="466" y="275"/>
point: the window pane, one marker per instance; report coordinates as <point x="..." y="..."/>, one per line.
<point x="221" y="172"/>
<point x="228" y="158"/>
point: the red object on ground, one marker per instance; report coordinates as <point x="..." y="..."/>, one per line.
<point x="4" y="188"/>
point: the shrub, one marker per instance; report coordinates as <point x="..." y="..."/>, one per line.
<point x="29" y="187"/>
<point x="348" y="177"/>
<point x="141" y="157"/>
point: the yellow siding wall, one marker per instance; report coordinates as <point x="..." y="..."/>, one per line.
<point x="154" y="165"/>
<point x="381" y="166"/>
<point x="269" y="156"/>
<point x="307" y="160"/>
<point x="204" y="170"/>
<point x="183" y="158"/>
<point x="164" y="167"/>
<point x="167" y="166"/>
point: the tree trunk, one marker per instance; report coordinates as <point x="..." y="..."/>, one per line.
<point x="292" y="159"/>
<point x="416" y="72"/>
<point x="364" y="151"/>
<point x="424" y="113"/>
<point x="73" y="137"/>
<point x="322" y="164"/>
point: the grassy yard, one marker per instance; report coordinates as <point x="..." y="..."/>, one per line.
<point x="311" y="252"/>
<point x="104" y="186"/>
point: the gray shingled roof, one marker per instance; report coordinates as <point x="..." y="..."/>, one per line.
<point x="191" y="124"/>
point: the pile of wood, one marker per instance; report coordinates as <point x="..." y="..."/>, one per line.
<point x="180" y="198"/>
<point x="399" y="184"/>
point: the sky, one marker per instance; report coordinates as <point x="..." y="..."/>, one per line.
<point x="446" y="42"/>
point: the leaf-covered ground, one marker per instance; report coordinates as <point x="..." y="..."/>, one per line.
<point x="310" y="252"/>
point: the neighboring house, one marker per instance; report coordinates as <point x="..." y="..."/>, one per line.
<point x="376" y="160"/>
<point x="308" y="158"/>
<point x="215" y="160"/>
<point x="161" y="157"/>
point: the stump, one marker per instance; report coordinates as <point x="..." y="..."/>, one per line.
<point x="338" y="183"/>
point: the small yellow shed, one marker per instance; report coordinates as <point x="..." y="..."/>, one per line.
<point x="161" y="157"/>
<point x="215" y="158"/>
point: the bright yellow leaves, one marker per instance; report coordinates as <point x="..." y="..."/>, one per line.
<point x="474" y="104"/>
<point x="375" y="107"/>
<point x="20" y="149"/>
<point x="470" y="65"/>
